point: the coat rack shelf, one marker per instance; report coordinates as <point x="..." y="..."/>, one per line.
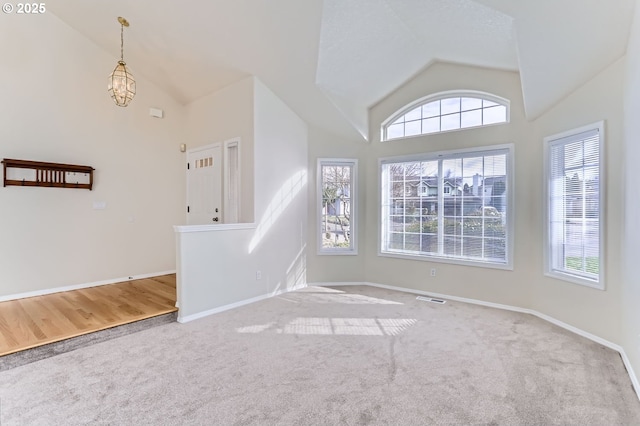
<point x="52" y="175"/>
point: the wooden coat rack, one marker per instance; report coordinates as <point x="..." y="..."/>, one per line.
<point x="54" y="175"/>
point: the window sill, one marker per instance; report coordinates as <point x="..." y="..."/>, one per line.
<point x="574" y="279"/>
<point x="438" y="259"/>
<point x="337" y="253"/>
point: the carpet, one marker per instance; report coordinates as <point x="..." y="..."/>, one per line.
<point x="325" y="356"/>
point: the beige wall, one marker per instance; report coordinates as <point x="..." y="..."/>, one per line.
<point x="630" y="207"/>
<point x="55" y="108"/>
<point x="526" y="286"/>
<point x="592" y="310"/>
<point x="493" y="285"/>
<point x="329" y="268"/>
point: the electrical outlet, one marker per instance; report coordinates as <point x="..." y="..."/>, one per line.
<point x="258" y="275"/>
<point x="433" y="272"/>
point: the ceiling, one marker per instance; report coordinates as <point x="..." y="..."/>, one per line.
<point x="331" y="60"/>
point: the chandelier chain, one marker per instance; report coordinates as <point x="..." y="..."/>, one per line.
<point x="122" y="42"/>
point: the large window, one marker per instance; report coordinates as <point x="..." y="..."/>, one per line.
<point x="444" y="112"/>
<point x="574" y="207"/>
<point x="459" y="208"/>
<point x="337" y="206"/>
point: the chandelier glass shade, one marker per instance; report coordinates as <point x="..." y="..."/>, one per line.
<point x="122" y="85"/>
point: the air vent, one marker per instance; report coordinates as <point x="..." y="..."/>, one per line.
<point x="431" y="299"/>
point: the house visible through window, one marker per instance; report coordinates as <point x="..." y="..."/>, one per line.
<point x="574" y="207"/>
<point x="336" y="205"/>
<point x="444" y="112"/>
<point x="467" y="222"/>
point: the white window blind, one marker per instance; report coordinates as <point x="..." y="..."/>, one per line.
<point x="467" y="221"/>
<point x="574" y="247"/>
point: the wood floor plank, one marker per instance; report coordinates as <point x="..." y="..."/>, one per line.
<point x="57" y="316"/>
<point x="18" y="324"/>
<point x="34" y="321"/>
<point x="40" y="316"/>
<point x="8" y="338"/>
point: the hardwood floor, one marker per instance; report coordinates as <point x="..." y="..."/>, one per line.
<point x="35" y="321"/>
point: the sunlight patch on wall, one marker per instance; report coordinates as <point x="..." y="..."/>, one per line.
<point x="280" y="201"/>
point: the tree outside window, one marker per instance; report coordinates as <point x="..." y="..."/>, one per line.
<point x="337" y="208"/>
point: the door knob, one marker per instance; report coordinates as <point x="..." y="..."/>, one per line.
<point x="215" y="219"/>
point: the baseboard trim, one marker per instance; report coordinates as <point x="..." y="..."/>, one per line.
<point x="188" y="318"/>
<point x="81" y="286"/>
<point x="569" y="327"/>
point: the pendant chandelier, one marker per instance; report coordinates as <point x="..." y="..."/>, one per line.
<point x="122" y="85"/>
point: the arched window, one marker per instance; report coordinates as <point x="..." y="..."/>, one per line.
<point x="446" y="111"/>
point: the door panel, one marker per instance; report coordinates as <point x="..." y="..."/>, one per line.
<point x="204" y="185"/>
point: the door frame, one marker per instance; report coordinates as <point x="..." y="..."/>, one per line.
<point x="226" y="177"/>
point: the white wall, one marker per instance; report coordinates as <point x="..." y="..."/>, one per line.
<point x="55" y="107"/>
<point x="592" y="310"/>
<point x="631" y="206"/>
<point x="223" y="115"/>
<point x="217" y="265"/>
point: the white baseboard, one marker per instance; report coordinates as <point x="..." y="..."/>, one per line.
<point x="593" y="337"/>
<point x="192" y="317"/>
<point x="81" y="286"/>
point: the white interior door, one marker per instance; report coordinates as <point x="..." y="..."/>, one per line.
<point x="204" y="185"/>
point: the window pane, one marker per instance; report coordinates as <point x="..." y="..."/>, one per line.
<point x="450" y="105"/>
<point x="431" y="125"/>
<point x="496" y="114"/>
<point x="452" y="246"/>
<point x="494" y="248"/>
<point x="471" y="118"/>
<point x="472" y="247"/>
<point x="471" y="103"/>
<point x="414" y="114"/>
<point x="412" y="128"/>
<point x="495" y="165"/>
<point x="450" y="122"/>
<point x="395" y="131"/>
<point x="431" y="109"/>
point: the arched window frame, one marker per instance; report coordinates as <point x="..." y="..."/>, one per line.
<point x="438" y="97"/>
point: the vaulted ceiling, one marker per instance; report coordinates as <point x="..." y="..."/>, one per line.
<point x="331" y="60"/>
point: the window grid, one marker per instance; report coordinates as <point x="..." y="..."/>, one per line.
<point x="468" y="223"/>
<point x="445" y="114"/>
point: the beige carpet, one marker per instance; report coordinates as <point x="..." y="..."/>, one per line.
<point x="351" y="355"/>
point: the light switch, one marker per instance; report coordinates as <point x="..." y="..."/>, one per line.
<point x="99" y="205"/>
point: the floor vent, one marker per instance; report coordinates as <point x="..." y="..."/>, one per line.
<point x="431" y="299"/>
